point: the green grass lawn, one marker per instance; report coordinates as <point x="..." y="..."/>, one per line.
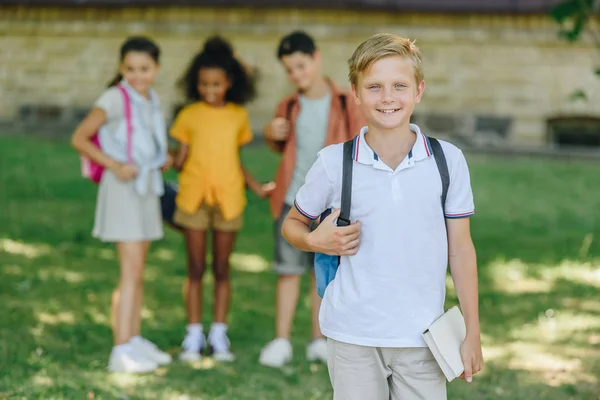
<point x="536" y="230"/>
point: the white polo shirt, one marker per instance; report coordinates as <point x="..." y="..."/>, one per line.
<point x="394" y="287"/>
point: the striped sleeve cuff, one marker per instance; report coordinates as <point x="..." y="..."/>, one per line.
<point x="459" y="215"/>
<point x="301" y="211"/>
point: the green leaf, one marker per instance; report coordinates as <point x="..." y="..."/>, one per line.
<point x="565" y="10"/>
<point x="578" y="27"/>
<point x="573" y="32"/>
<point x="597" y="72"/>
<point x="578" y="95"/>
<point x="573" y="16"/>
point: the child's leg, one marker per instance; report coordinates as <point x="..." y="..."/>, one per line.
<point x="114" y="311"/>
<point x="131" y="259"/>
<point x="136" y="322"/>
<point x="224" y="234"/>
<point x="316" y="305"/>
<point x="195" y="242"/>
<point x="288" y="291"/>
<point x="290" y="264"/>
<point x="223" y="243"/>
<point x="416" y="375"/>
<point x="316" y="350"/>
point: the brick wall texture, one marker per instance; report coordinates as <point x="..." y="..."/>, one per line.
<point x="485" y="73"/>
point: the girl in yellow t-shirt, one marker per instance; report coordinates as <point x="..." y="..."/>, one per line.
<point x="212" y="183"/>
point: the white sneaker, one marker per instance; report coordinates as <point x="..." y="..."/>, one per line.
<point x="276" y="353"/>
<point x="219" y="344"/>
<point x="129" y="361"/>
<point x="317" y="350"/>
<point x="192" y="346"/>
<point x="151" y="351"/>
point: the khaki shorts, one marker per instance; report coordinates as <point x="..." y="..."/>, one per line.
<point x="207" y="217"/>
<point x="383" y="373"/>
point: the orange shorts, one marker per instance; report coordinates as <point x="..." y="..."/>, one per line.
<point x="207" y="217"/>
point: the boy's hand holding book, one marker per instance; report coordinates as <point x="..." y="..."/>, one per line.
<point x="457" y="350"/>
<point x="472" y="358"/>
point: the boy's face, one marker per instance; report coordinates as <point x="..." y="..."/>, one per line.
<point x="387" y="92"/>
<point x="302" y="69"/>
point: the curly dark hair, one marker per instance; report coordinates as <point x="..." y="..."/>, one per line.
<point x="218" y="53"/>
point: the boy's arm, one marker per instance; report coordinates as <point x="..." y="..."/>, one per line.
<point x="463" y="266"/>
<point x="278" y="123"/>
<point x="295" y="229"/>
<point x="327" y="238"/>
<point x="462" y="258"/>
<point x="312" y="199"/>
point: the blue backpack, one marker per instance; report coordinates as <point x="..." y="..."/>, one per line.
<point x="326" y="266"/>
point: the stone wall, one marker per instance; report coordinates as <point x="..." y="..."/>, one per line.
<point x="489" y="78"/>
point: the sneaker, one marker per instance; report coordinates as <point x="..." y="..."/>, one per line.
<point x="151" y="351"/>
<point x="192" y="347"/>
<point x="219" y="344"/>
<point x="317" y="350"/>
<point x="125" y="359"/>
<point x="276" y="353"/>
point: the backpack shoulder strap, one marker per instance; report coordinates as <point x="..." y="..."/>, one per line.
<point x="127" y="105"/>
<point x="348" y="164"/>
<point x="442" y="165"/>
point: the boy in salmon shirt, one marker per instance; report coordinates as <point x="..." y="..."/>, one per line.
<point x="317" y="115"/>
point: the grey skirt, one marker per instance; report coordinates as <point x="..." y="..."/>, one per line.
<point x="122" y="215"/>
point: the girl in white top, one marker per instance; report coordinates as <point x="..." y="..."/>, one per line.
<point x="128" y="208"/>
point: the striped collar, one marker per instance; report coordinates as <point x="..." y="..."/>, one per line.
<point x="365" y="155"/>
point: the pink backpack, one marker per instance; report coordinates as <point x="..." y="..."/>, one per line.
<point x="91" y="169"/>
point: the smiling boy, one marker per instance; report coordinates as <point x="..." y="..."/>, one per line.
<point x="390" y="285"/>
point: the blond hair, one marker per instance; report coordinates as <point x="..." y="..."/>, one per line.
<point x="380" y="46"/>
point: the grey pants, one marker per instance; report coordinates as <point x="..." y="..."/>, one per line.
<point x="288" y="260"/>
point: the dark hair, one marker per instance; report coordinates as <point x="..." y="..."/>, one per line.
<point x="218" y="53"/>
<point x="294" y="42"/>
<point x="139" y="44"/>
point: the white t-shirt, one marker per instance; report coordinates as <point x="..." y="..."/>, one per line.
<point x="394" y="287"/>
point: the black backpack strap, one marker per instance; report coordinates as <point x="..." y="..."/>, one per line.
<point x="348" y="164"/>
<point x="442" y="165"/>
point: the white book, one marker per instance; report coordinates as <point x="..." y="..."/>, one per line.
<point x="444" y="338"/>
